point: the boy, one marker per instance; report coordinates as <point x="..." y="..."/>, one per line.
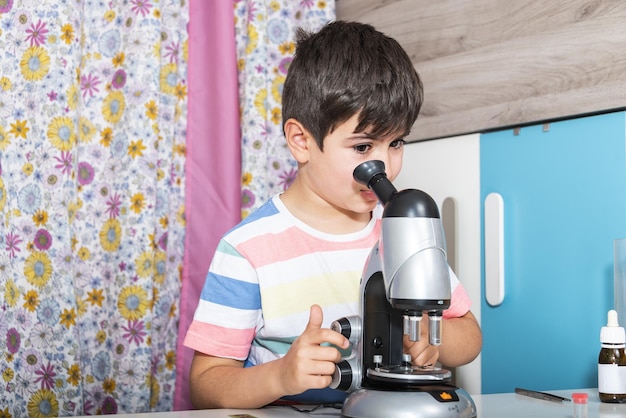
<point x="279" y="278"/>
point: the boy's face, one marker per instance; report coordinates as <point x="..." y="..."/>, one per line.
<point x="329" y="172"/>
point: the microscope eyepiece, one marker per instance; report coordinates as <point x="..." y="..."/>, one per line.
<point x="372" y="174"/>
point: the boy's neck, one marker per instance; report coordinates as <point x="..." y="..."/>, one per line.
<point x="320" y="215"/>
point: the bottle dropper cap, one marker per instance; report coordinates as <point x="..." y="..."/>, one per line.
<point x="612" y="333"/>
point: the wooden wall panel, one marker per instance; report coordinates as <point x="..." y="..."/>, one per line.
<point x="490" y="64"/>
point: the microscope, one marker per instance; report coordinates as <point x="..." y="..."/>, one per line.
<point x="405" y="277"/>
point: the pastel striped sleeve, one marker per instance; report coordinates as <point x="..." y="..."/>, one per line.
<point x="460" y="303"/>
<point x="229" y="309"/>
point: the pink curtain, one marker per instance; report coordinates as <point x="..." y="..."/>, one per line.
<point x="213" y="168"/>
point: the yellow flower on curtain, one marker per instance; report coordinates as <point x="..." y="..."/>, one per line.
<point x="8" y="374"/>
<point x="170" y="360"/>
<point x="136" y="149"/>
<point x="5" y="84"/>
<point x="109" y="385"/>
<point x="253" y="39"/>
<point x="106" y="136"/>
<point x="277" y="88"/>
<point x="40" y="217"/>
<point x="81" y="307"/>
<point x="101" y="336"/>
<point x="287" y="48"/>
<point x="5" y="141"/>
<point x="152" y="110"/>
<point x="260" y="102"/>
<point x="67" y="33"/>
<point x="155" y="297"/>
<point x="95" y="297"/>
<point x="169" y="78"/>
<point x="180" y="149"/>
<point x="275" y="6"/>
<point x="19" y="129"/>
<point x="180" y="216"/>
<point x="84" y="253"/>
<point x="180" y="92"/>
<point x="73" y="375"/>
<point x="72" y="209"/>
<point x="43" y="404"/>
<point x="31" y="300"/>
<point x="35" y="63"/>
<point x="38" y="269"/>
<point x="276" y="115"/>
<point x="145" y="264"/>
<point x="155" y="392"/>
<point x="11" y="293"/>
<point x="68" y="318"/>
<point x="111" y="235"/>
<point x="133" y="302"/>
<point x="73" y="97"/>
<point x="3" y="197"/>
<point x="137" y="202"/>
<point x="109" y="15"/>
<point x="61" y="133"/>
<point x="27" y="169"/>
<point x="159" y="267"/>
<point x="86" y="129"/>
<point x="113" y="107"/>
<point x="156" y="49"/>
<point x="118" y="59"/>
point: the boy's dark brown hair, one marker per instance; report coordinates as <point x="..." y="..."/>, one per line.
<point x="348" y="68"/>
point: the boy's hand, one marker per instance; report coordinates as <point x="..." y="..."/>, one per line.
<point x="422" y="353"/>
<point x="308" y="364"/>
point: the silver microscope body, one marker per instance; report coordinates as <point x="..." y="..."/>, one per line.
<point x="406" y="276"/>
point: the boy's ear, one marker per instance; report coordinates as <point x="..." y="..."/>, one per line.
<point x="299" y="140"/>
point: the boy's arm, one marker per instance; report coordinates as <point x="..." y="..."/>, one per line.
<point x="461" y="342"/>
<point x="217" y="382"/>
<point x="224" y="383"/>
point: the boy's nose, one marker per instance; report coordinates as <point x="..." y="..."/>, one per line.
<point x="390" y="170"/>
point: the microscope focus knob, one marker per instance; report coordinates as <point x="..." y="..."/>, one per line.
<point x="342" y="326"/>
<point x="349" y="327"/>
<point x="342" y="377"/>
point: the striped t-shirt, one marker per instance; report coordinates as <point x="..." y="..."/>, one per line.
<point x="268" y="271"/>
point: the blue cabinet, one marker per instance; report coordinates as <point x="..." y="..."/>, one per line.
<point x="564" y="192"/>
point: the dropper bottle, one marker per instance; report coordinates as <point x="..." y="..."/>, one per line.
<point x="612" y="361"/>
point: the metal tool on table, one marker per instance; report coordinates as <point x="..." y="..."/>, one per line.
<point x="541" y="395"/>
<point x="406" y="276"/>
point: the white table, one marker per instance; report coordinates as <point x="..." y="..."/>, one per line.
<point x="511" y="405"/>
<point x="506" y="405"/>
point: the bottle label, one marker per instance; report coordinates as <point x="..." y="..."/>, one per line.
<point x="611" y="379"/>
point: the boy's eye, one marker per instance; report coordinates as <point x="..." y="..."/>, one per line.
<point x="398" y="143"/>
<point x="362" y="148"/>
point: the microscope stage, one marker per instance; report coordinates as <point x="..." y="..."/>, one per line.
<point x="412" y="374"/>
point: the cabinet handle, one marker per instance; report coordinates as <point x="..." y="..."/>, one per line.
<point x="494" y="249"/>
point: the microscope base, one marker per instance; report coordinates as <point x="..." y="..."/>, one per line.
<point x="435" y="401"/>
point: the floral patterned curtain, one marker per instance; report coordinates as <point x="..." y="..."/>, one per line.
<point x="265" y="46"/>
<point x="92" y="154"/>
